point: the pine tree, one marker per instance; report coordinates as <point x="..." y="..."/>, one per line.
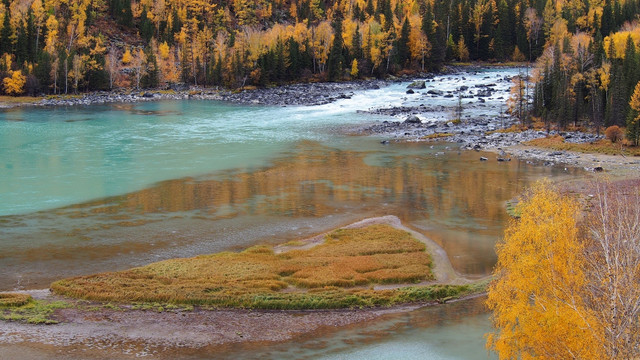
<point x="22" y="45"/>
<point x="369" y="8"/>
<point x="356" y="42"/>
<point x="607" y="21"/>
<point x="335" y="61"/>
<point x="146" y="27"/>
<point x="403" y="43"/>
<point x="150" y="79"/>
<point x="185" y="66"/>
<point x="32" y="50"/>
<point x="5" y="36"/>
<point x="42" y="71"/>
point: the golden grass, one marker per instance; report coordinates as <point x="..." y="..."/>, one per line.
<point x="599" y="147"/>
<point x="511" y="129"/>
<point x="19" y="99"/>
<point x="337" y="273"/>
<point x="436" y="136"/>
<point x="14" y="299"/>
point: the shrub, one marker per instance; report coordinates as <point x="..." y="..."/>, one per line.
<point x="613" y="133"/>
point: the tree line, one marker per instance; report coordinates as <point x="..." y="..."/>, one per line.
<point x="65" y="46"/>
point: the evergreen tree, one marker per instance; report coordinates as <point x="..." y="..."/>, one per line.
<point x="5" y="35"/>
<point x="388" y="15"/>
<point x="403" y="44"/>
<point x="217" y="72"/>
<point x="31" y="37"/>
<point x="295" y="59"/>
<point x="185" y="66"/>
<point x="22" y="45"/>
<point x="335" y="61"/>
<point x="42" y="71"/>
<point x="356" y="42"/>
<point x="150" y="79"/>
<point x="630" y="69"/>
<point x="98" y="78"/>
<point x="146" y="27"/>
<point x="369" y="8"/>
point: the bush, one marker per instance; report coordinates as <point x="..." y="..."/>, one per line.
<point x="613" y="133"/>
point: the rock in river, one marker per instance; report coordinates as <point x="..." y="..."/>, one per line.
<point x="418" y="84"/>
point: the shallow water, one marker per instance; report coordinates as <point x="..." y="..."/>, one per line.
<point x="103" y="188"/>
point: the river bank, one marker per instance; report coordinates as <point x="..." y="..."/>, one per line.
<point x="306" y="94"/>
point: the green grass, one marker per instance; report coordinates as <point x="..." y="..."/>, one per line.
<point x="339" y="273"/>
<point x="512" y="208"/>
<point x="33" y="312"/>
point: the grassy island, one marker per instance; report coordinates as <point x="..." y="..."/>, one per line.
<point x="340" y="271"/>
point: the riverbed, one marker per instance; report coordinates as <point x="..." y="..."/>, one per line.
<point x="97" y="188"/>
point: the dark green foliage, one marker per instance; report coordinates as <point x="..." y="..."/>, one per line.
<point x="150" y="79"/>
<point x="607" y="21"/>
<point x="42" y="71"/>
<point x="98" y="79"/>
<point x="403" y="44"/>
<point x="5" y="35"/>
<point x="146" y="27"/>
<point x="121" y="11"/>
<point x="633" y="127"/>
<point x="335" y="62"/>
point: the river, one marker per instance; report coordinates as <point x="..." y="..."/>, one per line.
<point x="103" y="188"/>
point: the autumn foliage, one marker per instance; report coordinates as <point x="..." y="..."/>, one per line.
<point x="613" y="133"/>
<point x="537" y="299"/>
<point x="567" y="284"/>
<point x="14" y="85"/>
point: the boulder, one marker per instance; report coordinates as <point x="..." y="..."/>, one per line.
<point x="410" y="91"/>
<point x="412" y="119"/>
<point x="418" y="84"/>
<point x="435" y="92"/>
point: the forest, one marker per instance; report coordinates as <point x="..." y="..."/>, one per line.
<point x="584" y="53"/>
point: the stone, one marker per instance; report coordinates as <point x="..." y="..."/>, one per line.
<point x="410" y="91"/>
<point x="418" y="84"/>
<point x="412" y="119"/>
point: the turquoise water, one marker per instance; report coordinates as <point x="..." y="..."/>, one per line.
<point x="52" y="157"/>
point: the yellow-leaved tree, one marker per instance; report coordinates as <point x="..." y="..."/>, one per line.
<point x="127" y="57"/>
<point x="354" y="69"/>
<point x="14" y="85"/>
<point x="539" y="294"/>
<point x="633" y="120"/>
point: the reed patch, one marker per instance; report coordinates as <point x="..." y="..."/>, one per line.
<point x="340" y="272"/>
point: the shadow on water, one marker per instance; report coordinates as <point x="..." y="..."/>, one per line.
<point x="452" y="197"/>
